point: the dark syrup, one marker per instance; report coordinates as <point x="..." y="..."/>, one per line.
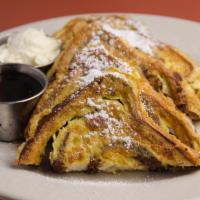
<point x="15" y="86"/>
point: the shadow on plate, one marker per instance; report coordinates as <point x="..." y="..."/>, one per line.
<point x="119" y="177"/>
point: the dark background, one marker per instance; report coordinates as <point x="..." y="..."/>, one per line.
<point x="16" y="12"/>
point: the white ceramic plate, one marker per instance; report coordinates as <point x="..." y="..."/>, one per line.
<point x="37" y="184"/>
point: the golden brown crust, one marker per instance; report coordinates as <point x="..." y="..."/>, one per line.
<point x="102" y="111"/>
<point x="159" y="145"/>
<point x="175" y="60"/>
<point x="164" y="80"/>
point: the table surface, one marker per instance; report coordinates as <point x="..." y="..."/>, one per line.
<point x="17" y="12"/>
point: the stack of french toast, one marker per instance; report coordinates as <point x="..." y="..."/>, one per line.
<point x="117" y="100"/>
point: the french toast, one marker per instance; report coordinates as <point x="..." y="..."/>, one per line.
<point x="105" y="112"/>
<point x="168" y="70"/>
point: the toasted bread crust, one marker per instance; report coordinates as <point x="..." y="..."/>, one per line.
<point x="111" y="107"/>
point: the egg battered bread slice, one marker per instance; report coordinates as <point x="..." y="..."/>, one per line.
<point x="157" y="134"/>
<point x="175" y="60"/>
<point x="112" y="138"/>
<point x="163" y="80"/>
<point x="167" y="69"/>
<point x="153" y="146"/>
<point x="96" y="142"/>
<point x="172" y="57"/>
<point x="62" y="78"/>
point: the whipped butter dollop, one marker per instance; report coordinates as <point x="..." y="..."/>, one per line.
<point x="30" y="46"/>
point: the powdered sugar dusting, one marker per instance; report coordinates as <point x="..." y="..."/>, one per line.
<point x="141" y="28"/>
<point x="91" y="103"/>
<point x="126" y="139"/>
<point x="93" y="73"/>
<point x="118" y="75"/>
<point x="98" y="105"/>
<point x="133" y="38"/>
<point x="113" y="128"/>
<point x="110" y="122"/>
<point x="95" y="59"/>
